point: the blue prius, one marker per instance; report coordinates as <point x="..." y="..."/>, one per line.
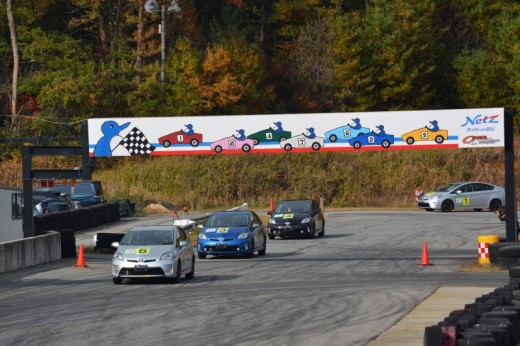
<point x="237" y="232"/>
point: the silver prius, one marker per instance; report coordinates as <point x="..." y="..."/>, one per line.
<point x="464" y="195"/>
<point x="153" y="252"/>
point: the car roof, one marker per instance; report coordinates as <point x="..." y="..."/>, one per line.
<point x="296" y="200"/>
<point x="155" y="228"/>
<point x="233" y="212"/>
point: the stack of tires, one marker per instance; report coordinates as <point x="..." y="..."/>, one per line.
<point x="68" y="243"/>
<point x="103" y="243"/>
<point x="493" y="319"/>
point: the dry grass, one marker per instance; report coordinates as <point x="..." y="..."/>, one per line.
<point x="476" y="267"/>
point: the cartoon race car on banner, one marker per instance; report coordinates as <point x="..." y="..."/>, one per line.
<point x="269" y="135"/>
<point x="302" y="141"/>
<point x="232" y="143"/>
<point x="181" y="137"/>
<point x="345" y="132"/>
<point x="372" y="138"/>
<point x="425" y="134"/>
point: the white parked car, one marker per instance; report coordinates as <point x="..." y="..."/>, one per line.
<point x="464" y="195"/>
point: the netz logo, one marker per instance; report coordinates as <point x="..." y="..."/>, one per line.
<point x="473" y="140"/>
<point x="481" y="120"/>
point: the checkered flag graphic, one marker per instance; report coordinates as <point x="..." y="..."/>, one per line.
<point x="136" y="143"/>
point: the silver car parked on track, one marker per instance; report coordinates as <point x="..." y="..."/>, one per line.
<point x="153" y="252"/>
<point x="464" y="195"/>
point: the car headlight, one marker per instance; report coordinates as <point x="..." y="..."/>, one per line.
<point x="119" y="256"/>
<point x="202" y="236"/>
<point x="166" y="255"/>
<point x="306" y="220"/>
<point x="243" y="235"/>
<point x="272" y="221"/>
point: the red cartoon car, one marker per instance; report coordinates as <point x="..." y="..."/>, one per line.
<point x="181" y="137"/>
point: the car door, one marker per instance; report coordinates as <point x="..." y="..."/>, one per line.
<point x="479" y="198"/>
<point x="462" y="198"/>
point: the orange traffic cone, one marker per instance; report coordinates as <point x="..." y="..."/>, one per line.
<point x="425" y="261"/>
<point x="81" y="258"/>
<point x="271" y="206"/>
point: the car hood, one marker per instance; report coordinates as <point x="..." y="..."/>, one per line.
<point x="143" y="251"/>
<point x="432" y="194"/>
<point x="289" y="217"/>
<point x="226" y="232"/>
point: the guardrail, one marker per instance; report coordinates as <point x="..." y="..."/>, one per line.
<point x="29" y="252"/>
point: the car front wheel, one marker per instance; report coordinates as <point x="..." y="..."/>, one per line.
<point x="117" y="281"/>
<point x="447" y="206"/>
<point x="191" y="274"/>
<point x="264" y="249"/>
<point x="251" y="252"/>
<point x="202" y="255"/>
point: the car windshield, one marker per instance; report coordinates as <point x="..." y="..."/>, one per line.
<point x="148" y="237"/>
<point x="293" y="207"/>
<point x="227" y="220"/>
<point x="448" y="187"/>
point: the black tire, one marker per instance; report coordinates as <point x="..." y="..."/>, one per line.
<point x="509" y="251"/>
<point x="439" y="139"/>
<point x="495" y="205"/>
<point x="177" y="278"/>
<point x="218" y="149"/>
<point x="117" y="281"/>
<point x="385" y="143"/>
<point x="429" y="209"/>
<point x="312" y="233"/>
<point x="194" y="142"/>
<point x="191" y="274"/>
<point x="514" y="272"/>
<point x="246" y="148"/>
<point x="357" y="145"/>
<point x="287" y="147"/>
<point x="410" y="140"/>
<point x="432" y="336"/>
<point x="477" y="209"/>
<point x="333" y="138"/>
<point x="316" y="146"/>
<point x="264" y="249"/>
<point x="322" y="233"/>
<point x="271" y="237"/>
<point x="202" y="256"/>
<point x="166" y="144"/>
<point x="447" y="206"/>
<point x="251" y="252"/>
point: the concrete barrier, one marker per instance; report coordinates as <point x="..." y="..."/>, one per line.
<point x="29" y="252"/>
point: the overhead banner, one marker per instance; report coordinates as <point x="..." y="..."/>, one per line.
<point x="282" y="133"/>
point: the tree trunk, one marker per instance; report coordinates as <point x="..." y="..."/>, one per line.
<point x="16" y="66"/>
<point x="140" y="26"/>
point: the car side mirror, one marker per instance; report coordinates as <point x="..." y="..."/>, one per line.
<point x="269" y="213"/>
<point x="115" y="244"/>
<point x="183" y="243"/>
<point x="459" y="192"/>
<point x="255" y="225"/>
<point x="200" y="226"/>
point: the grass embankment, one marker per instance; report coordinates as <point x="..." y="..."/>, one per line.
<point x="379" y="179"/>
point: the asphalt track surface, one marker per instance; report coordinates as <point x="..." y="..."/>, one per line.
<point x="344" y="289"/>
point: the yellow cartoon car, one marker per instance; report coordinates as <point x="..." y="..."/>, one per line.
<point x="425" y="134"/>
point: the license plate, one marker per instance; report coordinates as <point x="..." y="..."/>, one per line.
<point x="141" y="267"/>
<point x="220" y="246"/>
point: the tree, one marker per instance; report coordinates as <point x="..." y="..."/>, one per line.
<point x="16" y="65"/>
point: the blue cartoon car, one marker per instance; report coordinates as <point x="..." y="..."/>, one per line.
<point x="344" y="133"/>
<point x="373" y="138"/>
